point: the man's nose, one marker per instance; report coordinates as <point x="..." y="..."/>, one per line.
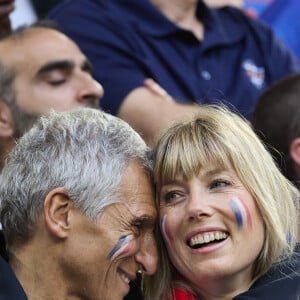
<point x="147" y="256"/>
<point x="90" y="91"/>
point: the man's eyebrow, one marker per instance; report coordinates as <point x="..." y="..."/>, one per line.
<point x="87" y="66"/>
<point x="56" y="65"/>
<point x="145" y="220"/>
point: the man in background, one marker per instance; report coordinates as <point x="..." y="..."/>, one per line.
<point x="276" y="119"/>
<point x="197" y="54"/>
<point x="41" y="70"/>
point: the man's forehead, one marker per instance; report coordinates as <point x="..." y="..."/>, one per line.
<point x="143" y="210"/>
<point x="31" y="33"/>
<point x="39" y="41"/>
<point x="38" y="47"/>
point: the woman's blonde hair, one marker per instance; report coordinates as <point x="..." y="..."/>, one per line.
<point x="223" y="138"/>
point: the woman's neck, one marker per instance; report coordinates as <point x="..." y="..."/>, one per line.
<point x="224" y="289"/>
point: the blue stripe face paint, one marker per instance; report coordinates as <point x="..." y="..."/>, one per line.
<point x="237" y="212"/>
<point x="120" y="247"/>
<point x="289" y="238"/>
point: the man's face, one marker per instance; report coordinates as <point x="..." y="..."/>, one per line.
<point x="50" y="73"/>
<point x="104" y="256"/>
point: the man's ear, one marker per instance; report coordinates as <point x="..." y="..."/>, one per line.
<point x="295" y="150"/>
<point x="57" y="208"/>
<point x="6" y="121"/>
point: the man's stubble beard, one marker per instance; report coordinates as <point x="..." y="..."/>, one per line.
<point x="23" y="121"/>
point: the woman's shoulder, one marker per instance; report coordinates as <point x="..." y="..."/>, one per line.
<point x="282" y="281"/>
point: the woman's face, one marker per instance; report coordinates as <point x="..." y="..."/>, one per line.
<point x="212" y="228"/>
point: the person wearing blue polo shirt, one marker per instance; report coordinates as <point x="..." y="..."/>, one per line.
<point x="197" y="54"/>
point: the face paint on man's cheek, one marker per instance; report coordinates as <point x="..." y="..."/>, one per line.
<point x="241" y="212"/>
<point x="165" y="230"/>
<point x="122" y="246"/>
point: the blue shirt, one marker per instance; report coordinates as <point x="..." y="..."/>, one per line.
<point x="128" y="41"/>
<point x="10" y="288"/>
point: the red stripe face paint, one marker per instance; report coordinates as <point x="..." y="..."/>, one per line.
<point x="122" y="246"/>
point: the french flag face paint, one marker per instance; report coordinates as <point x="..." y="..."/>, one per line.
<point x="165" y="229"/>
<point x="289" y="238"/>
<point x="121" y="247"/>
<point x="241" y="212"/>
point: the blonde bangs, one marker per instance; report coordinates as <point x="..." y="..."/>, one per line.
<point x="187" y="148"/>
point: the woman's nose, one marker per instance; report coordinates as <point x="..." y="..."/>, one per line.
<point x="198" y="206"/>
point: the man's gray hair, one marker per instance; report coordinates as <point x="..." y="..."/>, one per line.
<point x="84" y="150"/>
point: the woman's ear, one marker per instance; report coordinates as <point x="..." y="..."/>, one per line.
<point x="57" y="208"/>
<point x="6" y="121"/>
<point x="295" y="151"/>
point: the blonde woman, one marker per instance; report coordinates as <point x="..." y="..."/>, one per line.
<point x="228" y="216"/>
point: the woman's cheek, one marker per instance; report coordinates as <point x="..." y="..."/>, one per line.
<point x="241" y="213"/>
<point x="165" y="229"/>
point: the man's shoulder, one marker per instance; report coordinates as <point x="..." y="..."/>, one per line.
<point x="98" y="19"/>
<point x="237" y="17"/>
<point x="231" y="27"/>
<point x="71" y="5"/>
<point x="95" y="10"/>
<point x="10" y="288"/>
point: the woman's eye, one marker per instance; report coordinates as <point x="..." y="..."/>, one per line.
<point x="171" y="197"/>
<point x="219" y="183"/>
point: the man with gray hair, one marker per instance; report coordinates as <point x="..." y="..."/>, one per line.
<point x="77" y="209"/>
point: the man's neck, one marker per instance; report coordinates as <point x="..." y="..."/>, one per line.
<point x="37" y="275"/>
<point x="183" y="14"/>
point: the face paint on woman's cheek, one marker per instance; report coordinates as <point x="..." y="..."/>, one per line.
<point x="165" y="230"/>
<point x="289" y="238"/>
<point x="122" y="246"/>
<point x="241" y="212"/>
